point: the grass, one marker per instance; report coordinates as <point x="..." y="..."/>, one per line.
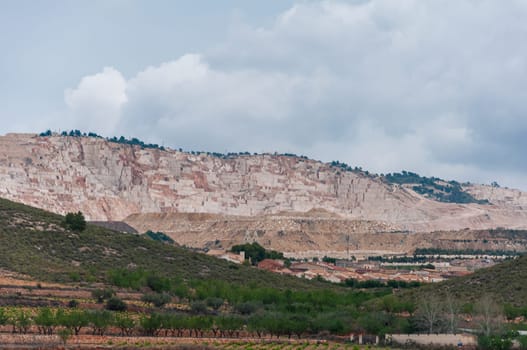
<point x="33" y="242"/>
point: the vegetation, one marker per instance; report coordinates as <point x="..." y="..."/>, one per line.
<point x="399" y="259"/>
<point x="256" y="253"/>
<point x="122" y="140"/>
<point x="345" y="167"/>
<point x="75" y="221"/>
<point x="35" y="243"/>
<point x="439" y="251"/>
<point x="158" y="236"/>
<point x="351" y="282"/>
<point x="135" y="142"/>
<point x="183" y="293"/>
<point x="433" y="187"/>
<point x="504" y="282"/>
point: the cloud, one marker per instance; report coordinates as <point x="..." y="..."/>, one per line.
<point x="434" y="87"/>
<point x="96" y="102"/>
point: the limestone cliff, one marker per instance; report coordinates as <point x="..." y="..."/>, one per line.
<point x="111" y="181"/>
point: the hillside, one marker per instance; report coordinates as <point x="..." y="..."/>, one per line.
<point x="34" y="243"/>
<point x="505" y="283"/>
<point x="109" y="180"/>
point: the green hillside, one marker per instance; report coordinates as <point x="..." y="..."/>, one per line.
<point x="505" y="283"/>
<point x="33" y="242"/>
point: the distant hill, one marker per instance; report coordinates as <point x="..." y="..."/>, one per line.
<point x="112" y="179"/>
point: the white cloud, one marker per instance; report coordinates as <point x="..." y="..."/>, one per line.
<point x="436" y="87"/>
<point x="96" y="102"/>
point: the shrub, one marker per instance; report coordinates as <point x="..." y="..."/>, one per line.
<point x="75" y="221"/>
<point x="158" y="236"/>
<point x="115" y="304"/>
<point x="157" y="299"/>
<point x="102" y="294"/>
<point x="214" y="303"/>
<point x="158" y="284"/>
<point x="494" y="342"/>
<point x="246" y="308"/>
<point x="522" y="340"/>
<point x="198" y="307"/>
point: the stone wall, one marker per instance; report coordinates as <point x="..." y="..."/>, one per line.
<point x="436" y="339"/>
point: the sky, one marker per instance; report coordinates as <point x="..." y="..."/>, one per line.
<point x="437" y="87"/>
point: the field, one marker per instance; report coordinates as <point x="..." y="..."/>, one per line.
<point x="93" y="342"/>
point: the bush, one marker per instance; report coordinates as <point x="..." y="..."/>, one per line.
<point x="157" y="299"/>
<point x="494" y="342"/>
<point x="115" y="304"/>
<point x="214" y="303"/>
<point x="102" y="294"/>
<point x="522" y="340"/>
<point x="246" y="308"/>
<point x="75" y="221"/>
<point x="158" y="284"/>
<point x="158" y="236"/>
<point x="198" y="307"/>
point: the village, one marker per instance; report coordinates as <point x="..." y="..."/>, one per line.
<point x="435" y="268"/>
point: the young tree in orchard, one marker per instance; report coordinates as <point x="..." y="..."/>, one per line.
<point x="75" y="320"/>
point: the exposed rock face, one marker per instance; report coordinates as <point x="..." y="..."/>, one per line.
<point x="110" y="181"/>
<point x="306" y="235"/>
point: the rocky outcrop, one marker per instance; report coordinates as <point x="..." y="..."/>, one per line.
<point x="111" y="181"/>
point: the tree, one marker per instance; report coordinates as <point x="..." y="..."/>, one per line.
<point x="75" y="320"/>
<point x="46" y="321"/>
<point x="429" y="312"/>
<point x="21" y="322"/>
<point x="75" y="221"/>
<point x="100" y="321"/>
<point x="4" y="318"/>
<point x="200" y="324"/>
<point x="125" y="323"/>
<point x="65" y="335"/>
<point x="452" y="309"/>
<point x="490" y="316"/>
<point x="151" y="324"/>
<point x="229" y="324"/>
